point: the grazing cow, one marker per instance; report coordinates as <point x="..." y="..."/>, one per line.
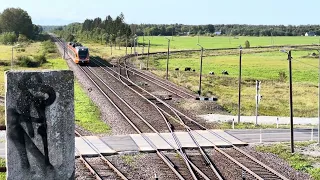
<point x="224" y="72"/>
<point x="187" y="69"/>
<point x="177" y="69"/>
<point x="211" y="73"/>
<point x="194" y="70"/>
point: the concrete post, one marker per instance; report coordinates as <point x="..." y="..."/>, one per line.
<point x="40" y="125"/>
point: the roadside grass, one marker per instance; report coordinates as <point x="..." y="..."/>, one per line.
<point x="297" y="160"/>
<point x="87" y="114"/>
<point x="244" y="125"/>
<point x="262" y="66"/>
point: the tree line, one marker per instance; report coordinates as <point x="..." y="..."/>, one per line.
<point x="116" y="31"/>
<point x="224" y="29"/>
<point x="16" y="25"/>
<point x="109" y="31"/>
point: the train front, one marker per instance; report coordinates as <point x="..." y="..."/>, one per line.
<point x="83" y="54"/>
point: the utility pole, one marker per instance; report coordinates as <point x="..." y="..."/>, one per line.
<point x="172" y="33"/>
<point x="148" y="55"/>
<point x="200" y="69"/>
<point x="291" y="106"/>
<point x="168" y="57"/>
<point x="319" y="99"/>
<point x="111" y="47"/>
<point x="64" y="50"/>
<point x="12" y="58"/>
<point x="290" y="99"/>
<point x="239" y="84"/>
<point x="126" y="46"/>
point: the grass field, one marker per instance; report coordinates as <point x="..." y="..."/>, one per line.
<point x="263" y="66"/>
<point x="159" y="43"/>
<point x="188" y="42"/>
<point x="257" y="64"/>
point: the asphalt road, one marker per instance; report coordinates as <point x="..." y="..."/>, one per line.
<point x="273" y="135"/>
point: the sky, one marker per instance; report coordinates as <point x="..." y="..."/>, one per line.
<point x="196" y="12"/>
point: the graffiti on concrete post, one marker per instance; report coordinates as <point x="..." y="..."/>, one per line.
<point x="29" y="118"/>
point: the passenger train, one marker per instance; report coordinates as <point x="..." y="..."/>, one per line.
<point x="78" y="53"/>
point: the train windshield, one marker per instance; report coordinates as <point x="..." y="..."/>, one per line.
<point x="83" y="53"/>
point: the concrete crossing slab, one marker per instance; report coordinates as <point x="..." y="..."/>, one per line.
<point x="185" y="140"/>
<point x="84" y="148"/>
<point x="99" y="145"/>
<point x="170" y="139"/>
<point x="136" y="142"/>
<point x="120" y="143"/>
<point x="202" y="141"/>
<point x="216" y="140"/>
<point x="228" y="137"/>
<point x="142" y="144"/>
<point x="158" y="141"/>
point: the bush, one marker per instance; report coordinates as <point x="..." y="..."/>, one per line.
<point x="40" y="58"/>
<point x="48" y="47"/>
<point x="26" y="61"/>
<point x="282" y="76"/>
<point x="22" y="38"/>
<point x="247" y="44"/>
<point x="8" y="38"/>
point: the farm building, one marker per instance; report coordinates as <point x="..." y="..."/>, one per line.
<point x="310" y="34"/>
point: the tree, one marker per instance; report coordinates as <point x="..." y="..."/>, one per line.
<point x="18" y="21"/>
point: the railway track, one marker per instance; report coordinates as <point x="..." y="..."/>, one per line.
<point x="194" y="171"/>
<point x="100" y="167"/>
<point x="254" y="167"/>
<point x="159" y="83"/>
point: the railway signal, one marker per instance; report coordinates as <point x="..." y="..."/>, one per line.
<point x="148" y="54"/>
<point x="200" y="68"/>
<point x="258" y="98"/>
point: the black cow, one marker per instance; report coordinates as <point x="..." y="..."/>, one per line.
<point x="187" y="69"/>
<point x="211" y="73"/>
<point x="177" y="69"/>
<point x="194" y="70"/>
<point x="224" y="72"/>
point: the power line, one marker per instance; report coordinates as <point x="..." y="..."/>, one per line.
<point x="307" y="64"/>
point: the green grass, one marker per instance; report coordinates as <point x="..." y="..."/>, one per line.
<point x="159" y="43"/>
<point x="244" y="125"/>
<point x="87" y="113"/>
<point x="297" y="161"/>
<point x="264" y="66"/>
<point x="129" y="159"/>
<point x="188" y="42"/>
